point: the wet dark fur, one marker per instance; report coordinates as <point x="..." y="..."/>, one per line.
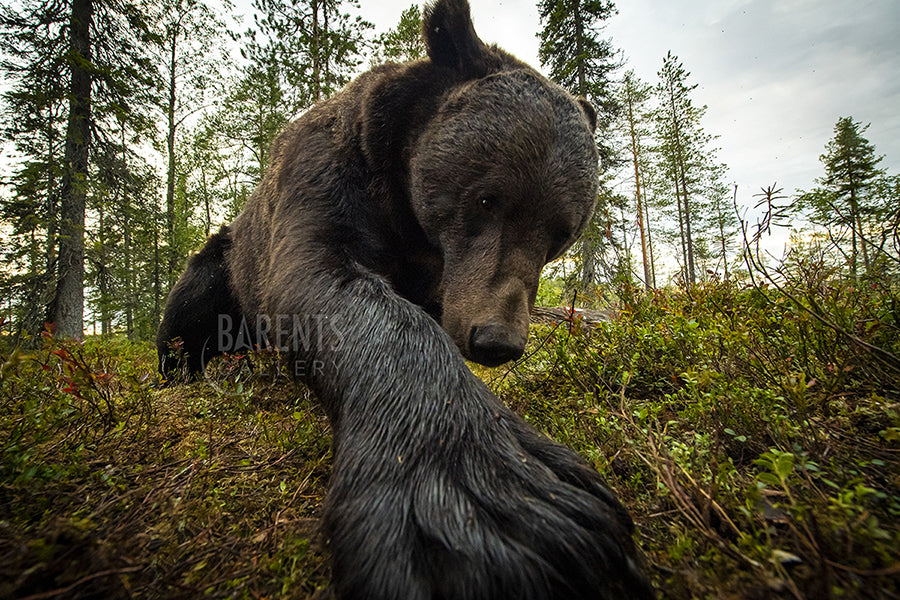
<point x="411" y="214"/>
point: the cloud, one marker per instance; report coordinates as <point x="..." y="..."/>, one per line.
<point x="776" y="75"/>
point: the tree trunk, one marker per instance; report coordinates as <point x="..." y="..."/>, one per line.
<point x="684" y="252"/>
<point x="316" y="50"/>
<point x="325" y="47"/>
<point x="588" y="264"/>
<point x="52" y="220"/>
<point x="722" y="236"/>
<point x="205" y="196"/>
<point x="579" y="49"/>
<point x="37" y="314"/>
<point x="862" y="245"/>
<point x="856" y="230"/>
<point x="68" y="304"/>
<point x="684" y="210"/>
<point x="126" y="247"/>
<point x="103" y="277"/>
<point x="126" y="251"/>
<point x="724" y="249"/>
<point x="157" y="289"/>
<point x="650" y="247"/>
<point x="170" y="178"/>
<point x="588" y="258"/>
<point x="635" y="156"/>
<point x="692" y="273"/>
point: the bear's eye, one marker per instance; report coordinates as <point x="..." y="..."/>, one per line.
<point x="488" y="202"/>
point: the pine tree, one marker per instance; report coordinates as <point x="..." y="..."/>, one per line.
<point x="202" y="158"/>
<point x="404" y="42"/>
<point x="221" y="164"/>
<point x="296" y="53"/>
<point x="634" y="98"/>
<point x="686" y="157"/>
<point x="311" y="45"/>
<point x="245" y="123"/>
<point x="188" y="34"/>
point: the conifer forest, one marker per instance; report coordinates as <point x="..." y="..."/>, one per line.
<point x="740" y="396"/>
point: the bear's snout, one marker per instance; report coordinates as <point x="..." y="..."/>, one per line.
<point x="487" y="320"/>
<point x="493" y="345"/>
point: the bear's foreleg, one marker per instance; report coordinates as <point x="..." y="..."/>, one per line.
<point x="438" y="490"/>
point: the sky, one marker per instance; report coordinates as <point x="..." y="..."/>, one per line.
<point x="775" y="74"/>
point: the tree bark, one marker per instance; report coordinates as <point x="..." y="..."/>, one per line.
<point x="170" y="148"/>
<point x="126" y="251"/>
<point x="650" y="246"/>
<point x="579" y="49"/>
<point x="684" y="210"/>
<point x="635" y="155"/>
<point x="67" y="308"/>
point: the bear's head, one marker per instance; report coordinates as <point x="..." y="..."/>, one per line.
<point x="503" y="180"/>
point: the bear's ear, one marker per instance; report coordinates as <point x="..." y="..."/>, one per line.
<point x="450" y="37"/>
<point x="589" y="113"/>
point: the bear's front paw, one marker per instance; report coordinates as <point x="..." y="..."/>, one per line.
<point x="501" y="512"/>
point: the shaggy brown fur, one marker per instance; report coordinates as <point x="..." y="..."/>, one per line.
<point x="402" y="225"/>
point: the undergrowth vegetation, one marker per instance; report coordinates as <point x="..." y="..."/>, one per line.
<point x="110" y="488"/>
<point x="753" y="432"/>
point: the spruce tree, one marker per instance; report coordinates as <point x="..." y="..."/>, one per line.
<point x="96" y="51"/>
<point x="850" y="167"/>
<point x="848" y="200"/>
<point x="580" y="59"/>
<point x="34" y="108"/>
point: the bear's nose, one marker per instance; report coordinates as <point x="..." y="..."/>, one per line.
<point x="493" y="345"/>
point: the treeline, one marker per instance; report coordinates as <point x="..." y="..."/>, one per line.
<point x="667" y="211"/>
<point x="140" y="126"/>
<point x="679" y="206"/>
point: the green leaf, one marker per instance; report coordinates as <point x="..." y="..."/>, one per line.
<point x="769" y="479"/>
<point x="784" y="465"/>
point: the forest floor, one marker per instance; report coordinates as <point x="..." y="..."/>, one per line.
<point x="758" y="451"/>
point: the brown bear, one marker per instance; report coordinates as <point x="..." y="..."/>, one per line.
<point x="401" y="226"/>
